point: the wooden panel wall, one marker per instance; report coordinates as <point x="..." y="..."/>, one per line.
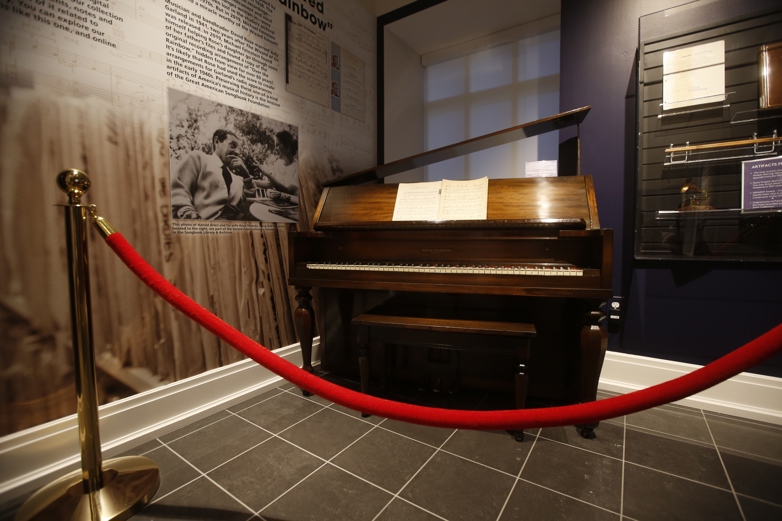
<point x="241" y="277"/>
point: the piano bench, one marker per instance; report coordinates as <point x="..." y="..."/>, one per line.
<point x="421" y="327"/>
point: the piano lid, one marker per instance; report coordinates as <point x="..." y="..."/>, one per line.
<point x="550" y="202"/>
<point x="501" y="137"/>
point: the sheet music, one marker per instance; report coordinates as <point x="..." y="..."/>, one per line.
<point x="417" y="201"/>
<point x="694" y="75"/>
<point x="308" y="54"/>
<point x="352" y="86"/>
<point x="464" y="200"/>
<point x="445" y="200"/>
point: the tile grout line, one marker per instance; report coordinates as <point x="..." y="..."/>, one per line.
<point x="325" y="461"/>
<point x="518" y="475"/>
<point x="329" y="461"/>
<point x="396" y="495"/>
<point x="724" y="468"/>
<point x="574" y="498"/>
<point x="271" y="435"/>
<point x="685" y="478"/>
<point x="228" y="415"/>
<point x="419" y="507"/>
<point x="747" y="421"/>
<point x="538" y="435"/>
<point x="624" y="460"/>
<point x="671" y="436"/>
<point x="276" y="435"/>
<point x="596" y="453"/>
<point x="302" y="480"/>
<point x="204" y="475"/>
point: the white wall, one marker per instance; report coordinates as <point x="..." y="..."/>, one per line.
<point x="491" y="84"/>
<point x="404" y="105"/>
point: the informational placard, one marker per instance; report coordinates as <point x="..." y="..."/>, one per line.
<point x="761" y="184"/>
<point x="323" y="71"/>
<point x="307" y="73"/>
<point x="347" y="83"/>
<point x="694" y="75"/>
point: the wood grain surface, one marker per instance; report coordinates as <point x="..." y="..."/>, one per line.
<point x="239" y="276"/>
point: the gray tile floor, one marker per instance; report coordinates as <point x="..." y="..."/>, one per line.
<point x="282" y="456"/>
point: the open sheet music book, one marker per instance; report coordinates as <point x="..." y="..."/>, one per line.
<point x="444" y="200"/>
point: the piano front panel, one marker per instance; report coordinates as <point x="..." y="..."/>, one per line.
<point x="442" y="250"/>
<point x="564" y="266"/>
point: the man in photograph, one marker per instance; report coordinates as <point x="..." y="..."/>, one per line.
<point x="212" y="186"/>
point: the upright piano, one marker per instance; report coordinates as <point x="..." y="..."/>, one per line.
<point x="540" y="255"/>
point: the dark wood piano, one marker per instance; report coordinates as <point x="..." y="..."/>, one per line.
<point x="540" y="256"/>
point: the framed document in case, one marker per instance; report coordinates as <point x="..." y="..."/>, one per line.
<point x="770" y="67"/>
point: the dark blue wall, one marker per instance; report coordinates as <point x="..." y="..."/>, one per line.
<point x="691" y="314"/>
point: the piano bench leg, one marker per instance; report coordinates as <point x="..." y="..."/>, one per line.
<point x="587" y="431"/>
<point x="518" y="435"/>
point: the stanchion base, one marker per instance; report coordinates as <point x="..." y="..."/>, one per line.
<point x="128" y="484"/>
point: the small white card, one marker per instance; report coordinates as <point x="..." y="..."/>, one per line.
<point x="541" y="168"/>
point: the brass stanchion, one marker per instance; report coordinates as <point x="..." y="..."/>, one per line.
<point x="100" y="491"/>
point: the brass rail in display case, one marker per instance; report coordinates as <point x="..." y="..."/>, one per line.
<point x="101" y="491"/>
<point x="761" y="147"/>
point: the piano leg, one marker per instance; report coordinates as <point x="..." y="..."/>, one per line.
<point x="521" y="378"/>
<point x="594" y="342"/>
<point x="304" y="321"/>
<point x="363" y="360"/>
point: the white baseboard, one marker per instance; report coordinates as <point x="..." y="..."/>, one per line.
<point x="746" y="395"/>
<point x="34" y="457"/>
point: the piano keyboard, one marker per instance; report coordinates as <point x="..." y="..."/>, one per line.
<point x="557" y="271"/>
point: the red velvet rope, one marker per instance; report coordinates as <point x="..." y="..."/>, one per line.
<point x="721" y="369"/>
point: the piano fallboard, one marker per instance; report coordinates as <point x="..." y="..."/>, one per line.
<point x="565" y="263"/>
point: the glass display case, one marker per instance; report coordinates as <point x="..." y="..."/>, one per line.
<point x="709" y="176"/>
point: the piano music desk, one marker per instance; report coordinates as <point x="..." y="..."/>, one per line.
<point x="430" y="328"/>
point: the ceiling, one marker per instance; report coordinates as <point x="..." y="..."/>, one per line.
<point x="458" y="21"/>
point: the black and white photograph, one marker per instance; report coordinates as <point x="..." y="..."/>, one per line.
<point x="231" y="164"/>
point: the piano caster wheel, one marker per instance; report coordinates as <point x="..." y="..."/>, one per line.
<point x="586" y="431"/>
<point x="365" y="415"/>
<point x="306" y="393"/>
<point x="517" y="435"/>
